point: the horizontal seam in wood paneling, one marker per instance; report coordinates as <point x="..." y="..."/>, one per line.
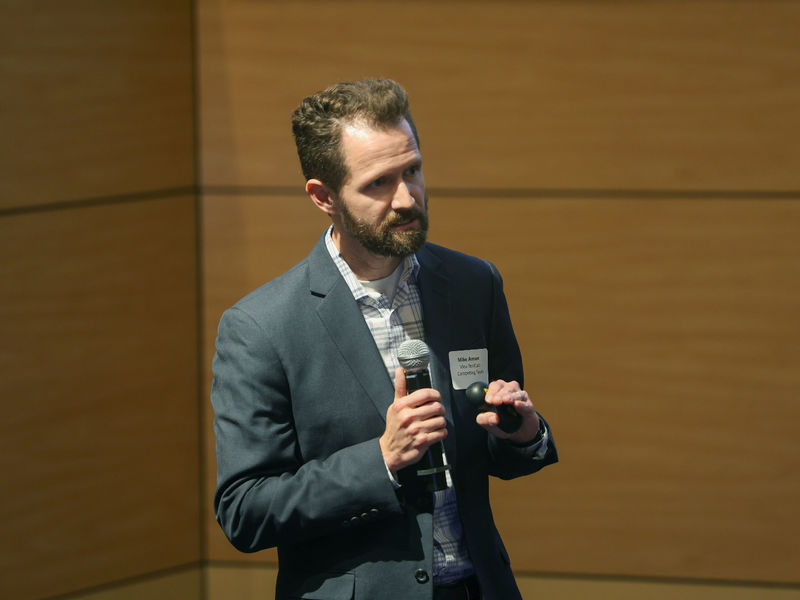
<point x="145" y="195"/>
<point x="644" y="579"/>
<point x="127" y="581"/>
<point x="512" y="193"/>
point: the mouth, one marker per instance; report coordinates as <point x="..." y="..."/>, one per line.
<point x="406" y="220"/>
<point x="405" y="223"/>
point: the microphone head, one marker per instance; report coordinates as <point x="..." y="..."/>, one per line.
<point x="413" y="355"/>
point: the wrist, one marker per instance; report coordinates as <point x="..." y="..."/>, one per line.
<point x="391" y="466"/>
<point x="524" y="441"/>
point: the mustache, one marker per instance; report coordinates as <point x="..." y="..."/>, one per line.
<point x="403" y="216"/>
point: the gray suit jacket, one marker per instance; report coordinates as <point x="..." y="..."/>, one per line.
<point x="300" y="395"/>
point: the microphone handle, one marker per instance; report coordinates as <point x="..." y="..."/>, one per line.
<point x="434" y="457"/>
<point x="417" y="380"/>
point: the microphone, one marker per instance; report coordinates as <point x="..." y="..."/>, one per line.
<point x="510" y="420"/>
<point x="414" y="356"/>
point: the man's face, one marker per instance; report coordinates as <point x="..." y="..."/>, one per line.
<point x="382" y="203"/>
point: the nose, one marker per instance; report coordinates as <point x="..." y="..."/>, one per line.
<point x="403" y="198"/>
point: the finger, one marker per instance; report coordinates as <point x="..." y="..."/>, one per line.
<point x="518" y="397"/>
<point x="421" y="434"/>
<point x="405" y="415"/>
<point x="497" y="393"/>
<point x="430" y="431"/>
<point x="495" y="387"/>
<point x="437" y="423"/>
<point x="524" y="405"/>
<point x="492" y="390"/>
<point x="424" y="397"/>
<point x="437" y="435"/>
<point x="506" y="392"/>
<point x="487" y="419"/>
<point x="399" y="383"/>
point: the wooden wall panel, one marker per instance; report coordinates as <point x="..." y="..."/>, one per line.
<point x="182" y="584"/>
<point x="575" y="94"/>
<point x="659" y="329"/>
<point x="97" y="99"/>
<point x="99" y="436"/>
<point x="660" y="338"/>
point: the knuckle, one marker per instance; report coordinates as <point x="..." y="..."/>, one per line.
<point x="406" y="420"/>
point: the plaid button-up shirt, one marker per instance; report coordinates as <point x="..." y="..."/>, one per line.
<point x="392" y="319"/>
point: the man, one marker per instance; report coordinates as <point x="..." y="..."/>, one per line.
<point x="317" y="439"/>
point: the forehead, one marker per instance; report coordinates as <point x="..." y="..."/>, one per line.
<point x="368" y="151"/>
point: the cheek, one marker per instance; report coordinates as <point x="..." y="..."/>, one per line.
<point x="367" y="210"/>
<point x="373" y="213"/>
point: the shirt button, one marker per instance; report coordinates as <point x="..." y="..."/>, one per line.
<point x="421" y="576"/>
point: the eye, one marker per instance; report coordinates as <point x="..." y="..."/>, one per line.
<point x="413" y="171"/>
<point x="378" y="182"/>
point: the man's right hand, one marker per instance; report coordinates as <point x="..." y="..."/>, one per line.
<point x="413" y="423"/>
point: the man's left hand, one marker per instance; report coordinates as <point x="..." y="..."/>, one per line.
<point x="508" y="392"/>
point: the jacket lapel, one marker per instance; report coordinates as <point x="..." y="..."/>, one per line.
<point x="342" y="318"/>
<point x="344" y="323"/>
<point x="436" y="299"/>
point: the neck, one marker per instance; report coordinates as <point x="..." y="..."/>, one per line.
<point x="366" y="265"/>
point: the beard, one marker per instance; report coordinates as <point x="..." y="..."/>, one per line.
<point x="381" y="239"/>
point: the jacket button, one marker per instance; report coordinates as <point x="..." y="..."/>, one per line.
<point x="421" y="576"/>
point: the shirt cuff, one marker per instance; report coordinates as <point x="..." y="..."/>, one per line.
<point x="394" y="481"/>
<point x="536" y="448"/>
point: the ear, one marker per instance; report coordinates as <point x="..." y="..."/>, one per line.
<point x="321" y="196"/>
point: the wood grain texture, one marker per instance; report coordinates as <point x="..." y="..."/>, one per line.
<point x="661" y="340"/>
<point x="185" y="584"/>
<point x="97" y="99"/>
<point x="661" y="337"/>
<point x="523" y="95"/>
<point x="99" y="440"/>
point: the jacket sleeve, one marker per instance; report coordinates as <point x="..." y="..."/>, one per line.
<point x="267" y="492"/>
<point x="508" y="460"/>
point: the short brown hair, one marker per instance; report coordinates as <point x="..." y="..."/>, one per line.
<point x="317" y="123"/>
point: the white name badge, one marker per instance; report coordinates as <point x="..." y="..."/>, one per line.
<point x="469" y="366"/>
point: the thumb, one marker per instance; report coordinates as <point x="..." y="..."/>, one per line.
<point x="399" y="383"/>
